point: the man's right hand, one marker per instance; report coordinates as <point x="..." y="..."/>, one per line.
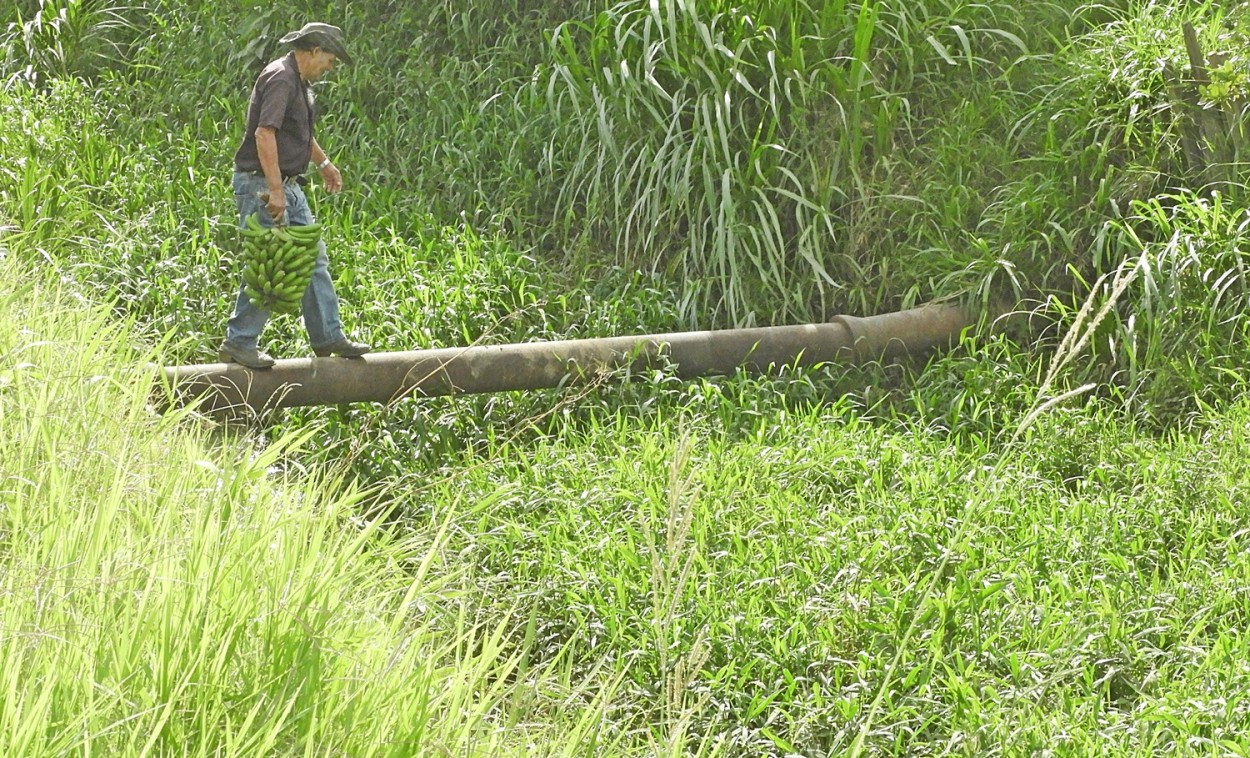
<point x="275" y="203"/>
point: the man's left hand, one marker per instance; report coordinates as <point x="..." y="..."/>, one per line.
<point x="332" y="179"/>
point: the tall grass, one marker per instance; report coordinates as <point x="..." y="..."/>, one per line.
<point x="49" y="39"/>
<point x="153" y="232"/>
<point x="779" y="163"/>
<point x="1178" y="344"/>
<point x="773" y="162"/>
<point x="164" y="591"/>
<point x="1115" y="121"/>
<point x="745" y="148"/>
<point x="716" y="581"/>
<point x="963" y="559"/>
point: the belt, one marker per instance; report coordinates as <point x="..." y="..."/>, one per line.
<point x="299" y="179"/>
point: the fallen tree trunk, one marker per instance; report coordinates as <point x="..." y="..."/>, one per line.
<point x="386" y="377"/>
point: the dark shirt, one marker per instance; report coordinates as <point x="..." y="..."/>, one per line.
<point x="283" y="101"/>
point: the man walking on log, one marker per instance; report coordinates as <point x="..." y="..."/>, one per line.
<point x="278" y="146"/>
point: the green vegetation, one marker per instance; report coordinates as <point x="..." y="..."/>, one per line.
<point x="1035" y="542"/>
<point x="168" y="592"/>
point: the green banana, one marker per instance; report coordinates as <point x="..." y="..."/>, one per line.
<point x="252" y="228"/>
<point x="278" y="263"/>
<point x="300" y="236"/>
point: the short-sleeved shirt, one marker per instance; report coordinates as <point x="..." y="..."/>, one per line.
<point x="283" y="101"/>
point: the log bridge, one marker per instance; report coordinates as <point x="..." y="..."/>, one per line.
<point x="387" y="377"/>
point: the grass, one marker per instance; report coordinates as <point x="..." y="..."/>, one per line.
<point x="745" y="150"/>
<point x="1032" y="543"/>
<point x="822" y="586"/>
<point x="806" y="581"/>
<point x="770" y="164"/>
<point x="166" y="591"/>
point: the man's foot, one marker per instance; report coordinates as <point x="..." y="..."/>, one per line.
<point x="344" y="347"/>
<point x="251" y="357"/>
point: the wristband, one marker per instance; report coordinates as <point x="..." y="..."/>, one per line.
<point x="323" y="164"/>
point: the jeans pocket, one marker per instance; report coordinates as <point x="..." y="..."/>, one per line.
<point x="298" y="211"/>
<point x="247" y="204"/>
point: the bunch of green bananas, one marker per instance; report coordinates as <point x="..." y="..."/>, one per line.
<point x="278" y="263"/>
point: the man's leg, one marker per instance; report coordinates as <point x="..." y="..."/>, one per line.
<point x="320" y="303"/>
<point x="247" y="321"/>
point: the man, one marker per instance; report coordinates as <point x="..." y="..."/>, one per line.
<point x="278" y="145"/>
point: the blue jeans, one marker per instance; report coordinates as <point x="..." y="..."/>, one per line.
<point x="320" y="305"/>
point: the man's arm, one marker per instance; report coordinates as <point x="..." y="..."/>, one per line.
<point x="330" y="174"/>
<point x="267" y="151"/>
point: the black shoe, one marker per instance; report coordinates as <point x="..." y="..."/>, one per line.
<point x="229" y="352"/>
<point x="344" y="348"/>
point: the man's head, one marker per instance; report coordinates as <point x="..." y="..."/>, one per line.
<point x="319" y="45"/>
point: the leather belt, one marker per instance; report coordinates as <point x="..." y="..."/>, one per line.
<point x="299" y="179"/>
